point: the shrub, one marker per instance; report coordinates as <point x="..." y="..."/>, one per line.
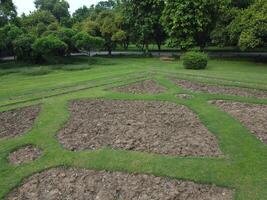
<point x="195" y="60"/>
<point x="49" y="47"/>
<point x="23" y="47"/>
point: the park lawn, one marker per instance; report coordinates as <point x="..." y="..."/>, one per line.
<point x="243" y="168"/>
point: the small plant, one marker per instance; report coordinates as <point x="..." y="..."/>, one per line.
<point x="36" y="71"/>
<point x="195" y="60"/>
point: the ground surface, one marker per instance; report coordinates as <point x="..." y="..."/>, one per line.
<point x="17" y="122"/>
<point x="252" y="116"/>
<point x="144" y="87"/>
<point x="24" y="155"/>
<point x="242" y="169"/>
<point x="154" y="127"/>
<point x="215" y="89"/>
<point x="92" y="185"/>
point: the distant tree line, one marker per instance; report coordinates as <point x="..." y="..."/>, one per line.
<point x="51" y="31"/>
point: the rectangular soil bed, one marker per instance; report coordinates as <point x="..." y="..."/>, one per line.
<point x="148" y="126"/>
<point x="215" y="89"/>
<point x="57" y="184"/>
<point x="252" y="116"/>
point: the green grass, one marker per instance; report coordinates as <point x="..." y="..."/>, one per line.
<point x="243" y="168"/>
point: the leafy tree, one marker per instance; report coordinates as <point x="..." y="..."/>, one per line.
<point x="49" y="46"/>
<point x="59" y="8"/>
<point x="7" y="11"/>
<point x="89" y="26"/>
<point x="249" y="28"/>
<point x="10" y="33"/>
<point x="144" y="18"/>
<point x="23" y="47"/>
<point x="242" y="3"/>
<point x="66" y="35"/>
<point x="109" y="28"/>
<point x="40" y="29"/>
<point x="81" y="14"/>
<point x="190" y="22"/>
<point x="86" y="42"/>
<point x="37" y="17"/>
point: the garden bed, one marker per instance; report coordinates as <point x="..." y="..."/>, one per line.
<point x="17" y="122"/>
<point x="24" y="155"/>
<point x="148" y="126"/>
<point x="252" y="116"/>
<point x="215" y="89"/>
<point x="92" y="185"/>
<point x="147" y="86"/>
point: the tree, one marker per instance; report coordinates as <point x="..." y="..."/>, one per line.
<point x="109" y="28"/>
<point x="59" y="8"/>
<point x="66" y="35"/>
<point x="249" y="28"/>
<point x="190" y="22"/>
<point x="242" y="3"/>
<point x="37" y="17"/>
<point x="23" y="47"/>
<point x="86" y="42"/>
<point x="7" y="12"/>
<point x="10" y="33"/>
<point x="49" y="46"/>
<point x="81" y="14"/>
<point x="144" y="17"/>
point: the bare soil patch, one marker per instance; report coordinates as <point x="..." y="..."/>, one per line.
<point x="149" y="126"/>
<point x="214" y="89"/>
<point x="147" y="86"/>
<point x="91" y="185"/>
<point x="17" y="122"/>
<point x="24" y="155"/>
<point x="252" y="116"/>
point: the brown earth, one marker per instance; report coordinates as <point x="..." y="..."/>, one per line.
<point x="17" y="122"/>
<point x="214" y="89"/>
<point x="24" y="155"/>
<point x="252" y="116"/>
<point x="57" y="184"/>
<point x="149" y="126"/>
<point x="147" y="86"/>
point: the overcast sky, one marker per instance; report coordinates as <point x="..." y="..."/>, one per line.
<point x="25" y="6"/>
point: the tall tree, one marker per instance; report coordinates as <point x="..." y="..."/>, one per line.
<point x="144" y="17"/>
<point x="7" y="11"/>
<point x="190" y="22"/>
<point x="59" y="8"/>
<point x="249" y="28"/>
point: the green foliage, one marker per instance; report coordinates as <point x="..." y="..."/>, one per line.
<point x="143" y="18"/>
<point x="190" y="22"/>
<point x="66" y="35"/>
<point x="23" y="47"/>
<point x="49" y="46"/>
<point x="36" y="17"/>
<point x="59" y="8"/>
<point x="84" y="41"/>
<point x="7" y="12"/>
<point x="195" y="60"/>
<point x="249" y="28"/>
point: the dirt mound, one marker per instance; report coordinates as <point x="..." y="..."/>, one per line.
<point x="148" y="86"/>
<point x="214" y="89"/>
<point x="17" y="122"/>
<point x="24" y="155"/>
<point x="149" y="126"/>
<point x="57" y="184"/>
<point x="252" y="116"/>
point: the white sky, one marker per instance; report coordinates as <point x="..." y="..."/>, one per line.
<point x="25" y="6"/>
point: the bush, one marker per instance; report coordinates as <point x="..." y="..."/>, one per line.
<point x="23" y="47"/>
<point x="49" y="47"/>
<point x="195" y="60"/>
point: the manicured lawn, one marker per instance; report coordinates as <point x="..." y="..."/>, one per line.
<point x="243" y="168"/>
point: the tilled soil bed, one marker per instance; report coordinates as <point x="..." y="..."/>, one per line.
<point x="24" y="155"/>
<point x="57" y="184"/>
<point x="214" y="89"/>
<point x="149" y="126"/>
<point x="252" y="116"/>
<point x="148" y="86"/>
<point x="17" y="122"/>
